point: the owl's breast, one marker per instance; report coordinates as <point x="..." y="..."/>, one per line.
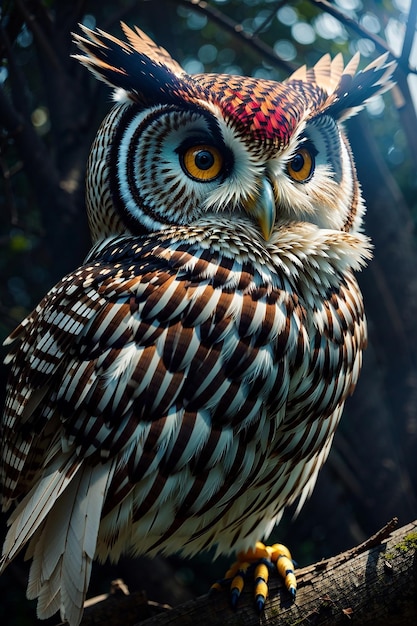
<point x="201" y="372"/>
<point x="200" y="327"/>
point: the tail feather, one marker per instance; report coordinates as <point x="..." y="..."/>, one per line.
<point x="59" y="520"/>
<point x="64" y="550"/>
<point x="30" y="514"/>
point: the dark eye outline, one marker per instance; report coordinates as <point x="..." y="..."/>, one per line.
<point x="202" y="172"/>
<point x="302" y="165"/>
<point x="205" y="143"/>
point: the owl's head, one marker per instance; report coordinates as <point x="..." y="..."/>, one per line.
<point x="177" y="147"/>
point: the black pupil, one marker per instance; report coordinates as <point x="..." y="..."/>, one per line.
<point x="297" y="163"/>
<point x="204" y="160"/>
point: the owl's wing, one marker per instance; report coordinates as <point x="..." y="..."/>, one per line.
<point x="162" y="364"/>
<point x="167" y="350"/>
<point x="158" y="345"/>
<point x="134" y="369"/>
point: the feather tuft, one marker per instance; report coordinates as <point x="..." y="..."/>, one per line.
<point x="347" y="89"/>
<point x="355" y="89"/>
<point x="138" y="68"/>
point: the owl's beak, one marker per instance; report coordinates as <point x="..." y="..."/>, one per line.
<point x="263" y="208"/>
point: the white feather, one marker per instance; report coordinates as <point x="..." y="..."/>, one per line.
<point x="65" y="547"/>
<point x="32" y="511"/>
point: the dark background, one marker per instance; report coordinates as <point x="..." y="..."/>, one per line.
<point x="50" y="109"/>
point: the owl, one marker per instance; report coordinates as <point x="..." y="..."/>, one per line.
<point x="182" y="387"/>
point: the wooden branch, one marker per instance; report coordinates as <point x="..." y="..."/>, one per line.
<point x="40" y="35"/>
<point x="236" y="30"/>
<point x="353" y="24"/>
<point x="374" y="583"/>
<point x="381" y="45"/>
<point x="409" y="33"/>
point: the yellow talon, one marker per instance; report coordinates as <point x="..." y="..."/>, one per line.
<point x="285" y="566"/>
<point x="238" y="581"/>
<point x="261" y="572"/>
<point x="277" y="550"/>
<point x="260" y="558"/>
<point x="260" y="551"/>
<point x="261" y="585"/>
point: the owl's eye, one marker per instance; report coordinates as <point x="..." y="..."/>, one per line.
<point x="301" y="166"/>
<point x="202" y="162"/>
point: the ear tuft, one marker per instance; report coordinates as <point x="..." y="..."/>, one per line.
<point x="347" y="90"/>
<point x="144" y="45"/>
<point x="357" y="88"/>
<point x="138" y="69"/>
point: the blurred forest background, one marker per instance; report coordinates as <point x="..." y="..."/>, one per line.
<point x="50" y="109"/>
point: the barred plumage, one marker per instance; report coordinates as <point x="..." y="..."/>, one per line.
<point x="183" y="386"/>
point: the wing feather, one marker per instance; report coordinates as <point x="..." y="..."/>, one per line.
<point x="64" y="549"/>
<point x="184" y="379"/>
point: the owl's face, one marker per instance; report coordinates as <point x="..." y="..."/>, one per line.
<point x="177" y="148"/>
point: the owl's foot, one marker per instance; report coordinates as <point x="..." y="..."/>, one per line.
<point x="259" y="560"/>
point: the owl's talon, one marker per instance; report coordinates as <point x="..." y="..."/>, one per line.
<point x="261" y="584"/>
<point x="260" y="559"/>
<point x="238" y="581"/>
<point x="285" y="567"/>
<point x="218" y="586"/>
<point x="234" y="597"/>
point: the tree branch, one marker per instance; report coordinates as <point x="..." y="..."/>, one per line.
<point x="39" y="34"/>
<point x="351" y="23"/>
<point x="237" y="30"/>
<point x="409" y="33"/>
<point x="375" y="583"/>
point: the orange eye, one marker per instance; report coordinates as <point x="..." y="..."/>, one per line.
<point x="202" y="162"/>
<point x="301" y="166"/>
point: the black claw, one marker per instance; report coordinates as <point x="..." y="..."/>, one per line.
<point x="260" y="603"/>
<point x="234" y="597"/>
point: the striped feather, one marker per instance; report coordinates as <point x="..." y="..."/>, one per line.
<point x="182" y="387"/>
<point x="171" y="412"/>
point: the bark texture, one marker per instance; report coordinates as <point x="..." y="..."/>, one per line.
<point x="374" y="583"/>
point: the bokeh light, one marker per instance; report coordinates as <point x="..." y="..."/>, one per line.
<point x="349" y="5"/>
<point x="303" y="33"/>
<point x="328" y="27"/>
<point x="287" y="15"/>
<point x="207" y="53"/>
<point x="394" y="32"/>
<point x="3" y="74"/>
<point x="366" y="47"/>
<point x="285" y="50"/>
<point x="402" y="5"/>
<point x="89" y="21"/>
<point x="193" y="66"/>
<point x="376" y="106"/>
<point x="25" y="37"/>
<point x="370" y="22"/>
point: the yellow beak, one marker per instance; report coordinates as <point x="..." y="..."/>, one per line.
<point x="263" y="208"/>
